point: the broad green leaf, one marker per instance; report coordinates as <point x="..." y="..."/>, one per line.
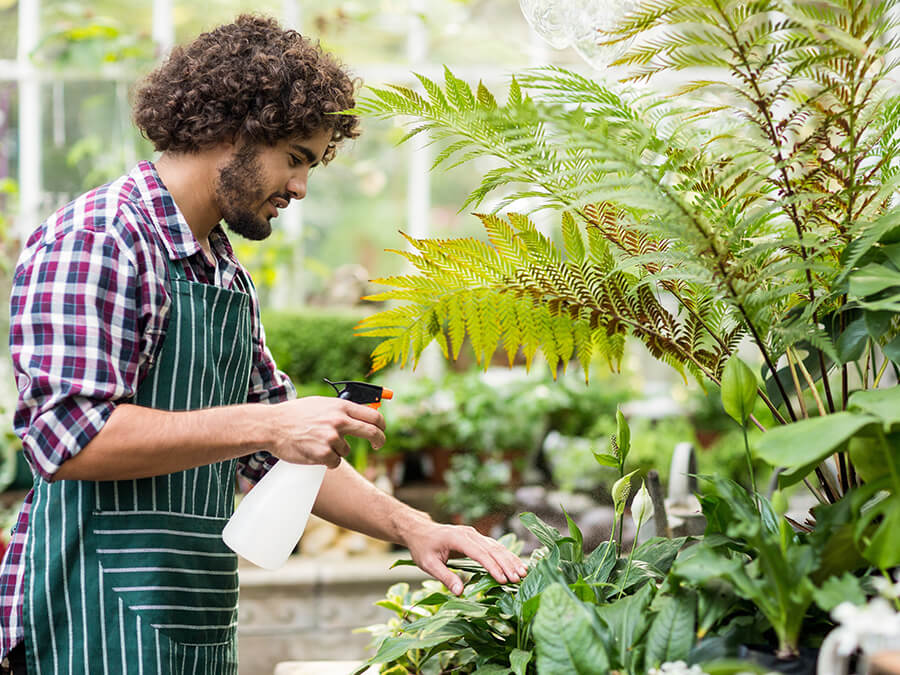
<point x="548" y="535"/>
<point x="867" y="454"/>
<point x="882" y="403"/>
<point x="872" y="279"/>
<point x="434" y="599"/>
<point x="394" y="647"/>
<point x="878" y="506"/>
<point x="583" y="591"/>
<point x="727" y="505"/>
<point x="884" y="544"/>
<point x="714" y="602"/>
<point x="567" y="639"/>
<point x="835" y="590"/>
<point x="660" y="552"/>
<point x="878" y="323"/>
<point x="467" y="608"/>
<point x="671" y="634"/>
<point x="834" y="538"/>
<point x="578" y="543"/>
<point x="623" y="436"/>
<point x="539" y="577"/>
<point x="605" y="459"/>
<point x="809" y="440"/>
<point x="599" y="564"/>
<point x="892" y="350"/>
<point x="519" y="660"/>
<point x="738" y="390"/>
<point x="852" y="342"/>
<point x="626" y="619"/>
<point x="698" y="564"/>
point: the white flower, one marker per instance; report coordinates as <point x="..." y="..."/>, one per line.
<point x="642" y="507"/>
<point x="677" y="668"/>
<point x="887" y="589"/>
<point x="858" y="623"/>
<point x="681" y="668"/>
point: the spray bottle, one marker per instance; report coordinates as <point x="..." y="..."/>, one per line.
<point x="270" y="519"/>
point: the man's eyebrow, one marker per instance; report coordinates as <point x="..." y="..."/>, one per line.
<point x="308" y="154"/>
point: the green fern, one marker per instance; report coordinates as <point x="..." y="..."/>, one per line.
<point x="744" y="199"/>
<point x="521" y="290"/>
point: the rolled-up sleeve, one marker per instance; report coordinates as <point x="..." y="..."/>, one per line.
<point x="74" y="342"/>
<point x="267" y="385"/>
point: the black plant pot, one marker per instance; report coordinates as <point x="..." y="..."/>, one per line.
<point x="804" y="664"/>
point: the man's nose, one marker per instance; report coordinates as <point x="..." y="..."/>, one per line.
<point x="296" y="186"/>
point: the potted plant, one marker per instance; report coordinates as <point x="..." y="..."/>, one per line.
<point x="756" y="205"/>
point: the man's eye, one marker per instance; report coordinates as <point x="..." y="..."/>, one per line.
<point x="296" y="161"/>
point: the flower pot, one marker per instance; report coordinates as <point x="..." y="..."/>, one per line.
<point x="437" y="461"/>
<point x="803" y="664"/>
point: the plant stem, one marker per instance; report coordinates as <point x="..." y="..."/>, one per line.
<point x="881" y="371"/>
<point x="825" y="382"/>
<point x="797" y="388"/>
<point x="841" y="459"/>
<point x="630" y="558"/>
<point x="845" y="387"/>
<point x="812" y="385"/>
<point x="815" y="492"/>
<point x="866" y="364"/>
<point x="621" y="528"/>
<point x="750" y="466"/>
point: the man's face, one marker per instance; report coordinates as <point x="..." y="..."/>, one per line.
<point x="260" y="179"/>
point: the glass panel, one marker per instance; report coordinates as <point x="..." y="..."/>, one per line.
<point x="103" y="36"/>
<point x="358" y="32"/>
<point x="356" y="206"/>
<point x="483" y="33"/>
<point x="9" y="28"/>
<point x="88" y="136"/>
<point x="9" y="122"/>
<point x="192" y="18"/>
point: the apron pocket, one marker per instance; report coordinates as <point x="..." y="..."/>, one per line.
<point x="172" y="569"/>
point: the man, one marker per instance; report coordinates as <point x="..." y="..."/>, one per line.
<point x="144" y="380"/>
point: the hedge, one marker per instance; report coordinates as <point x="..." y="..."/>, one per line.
<point x="313" y="344"/>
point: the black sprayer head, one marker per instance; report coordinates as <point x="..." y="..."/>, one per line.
<point x="361" y="392"/>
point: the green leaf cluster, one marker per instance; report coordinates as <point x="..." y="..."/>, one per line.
<point x="564" y="617"/>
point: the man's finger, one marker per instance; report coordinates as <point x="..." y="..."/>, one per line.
<point x="442" y="573"/>
<point x="366" y="414"/>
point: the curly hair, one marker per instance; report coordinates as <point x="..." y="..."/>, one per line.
<point x="249" y="80"/>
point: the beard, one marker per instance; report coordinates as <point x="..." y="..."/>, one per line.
<point x="238" y="189"/>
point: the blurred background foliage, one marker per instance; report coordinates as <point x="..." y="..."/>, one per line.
<point x="88" y="56"/>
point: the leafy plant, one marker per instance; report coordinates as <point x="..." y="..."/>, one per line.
<point x="476" y="486"/>
<point x="562" y="618"/>
<point x="738" y="397"/>
<point x="756" y="203"/>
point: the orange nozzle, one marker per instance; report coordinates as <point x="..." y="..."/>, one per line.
<point x="387" y="393"/>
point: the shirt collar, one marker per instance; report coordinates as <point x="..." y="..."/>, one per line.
<point x="173" y="229"/>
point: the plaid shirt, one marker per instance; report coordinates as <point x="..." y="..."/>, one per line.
<point x="89" y="309"/>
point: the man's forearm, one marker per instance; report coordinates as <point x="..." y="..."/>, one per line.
<point x="349" y="500"/>
<point x="137" y="442"/>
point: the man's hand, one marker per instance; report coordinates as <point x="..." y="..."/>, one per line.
<point x="433" y="544"/>
<point x="311" y="430"/>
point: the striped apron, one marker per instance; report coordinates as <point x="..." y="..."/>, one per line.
<point x="132" y="576"/>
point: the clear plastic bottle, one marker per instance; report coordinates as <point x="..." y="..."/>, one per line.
<point x="270" y="519"/>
